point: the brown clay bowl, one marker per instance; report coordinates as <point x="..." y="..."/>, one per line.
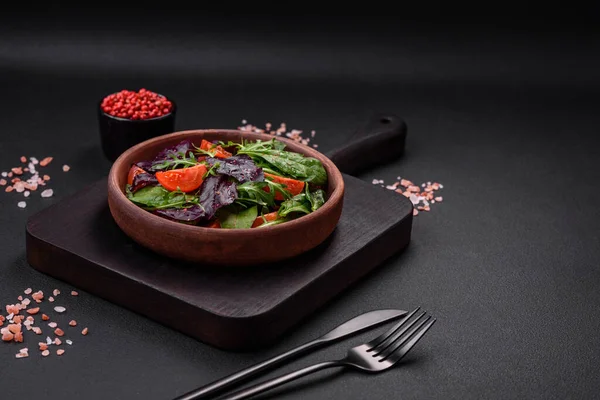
<point x="223" y="247"/>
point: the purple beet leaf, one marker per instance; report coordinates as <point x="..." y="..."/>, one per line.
<point x="169" y="157"/>
<point x="190" y="215"/>
<point x="216" y="192"/>
<point x="240" y="167"/>
<point x="143" y="180"/>
<point x="145" y="165"/>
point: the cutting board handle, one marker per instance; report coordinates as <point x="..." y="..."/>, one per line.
<point x="379" y="141"/>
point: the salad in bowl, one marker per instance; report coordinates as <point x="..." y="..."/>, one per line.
<point x="228" y="185"/>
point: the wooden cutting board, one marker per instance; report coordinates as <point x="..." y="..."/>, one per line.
<point x="77" y="241"/>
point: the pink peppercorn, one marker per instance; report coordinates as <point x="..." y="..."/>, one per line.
<point x="142" y="104"/>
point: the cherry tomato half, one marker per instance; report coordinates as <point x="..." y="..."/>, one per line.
<point x="186" y="179"/>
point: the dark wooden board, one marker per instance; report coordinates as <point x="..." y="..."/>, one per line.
<point x="77" y="241"/>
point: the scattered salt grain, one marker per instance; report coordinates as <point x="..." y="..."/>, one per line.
<point x="57" y="342"/>
<point x="5" y="174"/>
<point x="74" y="293"/>
<point x="84" y="331"/>
<point x="21" y="355"/>
<point x="60" y="309"/>
<point x="3" y="182"/>
<point x="46" y="161"/>
<point x="26" y="193"/>
<point x="34" y="160"/>
<point x="51" y="299"/>
<point x="421" y="196"/>
<point x="73" y="323"/>
<point x="45" y="353"/>
<point x="69" y="342"/>
<point x="47" y="193"/>
<point x="60" y="352"/>
<point x="52" y="324"/>
<point x="37" y="330"/>
<point x="22" y="204"/>
<point x="66" y="168"/>
<point x="48" y="340"/>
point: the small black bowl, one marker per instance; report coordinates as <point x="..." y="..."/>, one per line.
<point x="118" y="134"/>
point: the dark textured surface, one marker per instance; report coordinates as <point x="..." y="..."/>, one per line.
<point x="506" y="119"/>
<point x="234" y="309"/>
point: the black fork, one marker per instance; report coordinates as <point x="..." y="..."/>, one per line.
<point x="375" y="356"/>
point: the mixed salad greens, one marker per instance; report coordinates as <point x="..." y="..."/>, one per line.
<point x="228" y="185"/>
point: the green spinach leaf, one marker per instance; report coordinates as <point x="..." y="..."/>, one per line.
<point x="297" y="204"/>
<point x="157" y="197"/>
<point x="316" y="198"/>
<point x="231" y="218"/>
<point x="295" y="165"/>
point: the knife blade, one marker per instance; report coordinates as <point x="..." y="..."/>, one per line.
<point x="351" y="327"/>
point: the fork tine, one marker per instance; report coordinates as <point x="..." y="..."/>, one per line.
<point x="379" y="339"/>
<point x="400" y="349"/>
<point x="392" y="338"/>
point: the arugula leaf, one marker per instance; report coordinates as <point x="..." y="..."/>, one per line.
<point x="174" y="161"/>
<point x="297" y="204"/>
<point x="254" y="193"/>
<point x="230" y="219"/>
<point x="157" y="197"/>
<point x="275" y="187"/>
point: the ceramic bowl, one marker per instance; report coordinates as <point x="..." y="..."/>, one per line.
<point x="213" y="246"/>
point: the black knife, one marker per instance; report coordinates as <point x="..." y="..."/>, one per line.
<point x="348" y="328"/>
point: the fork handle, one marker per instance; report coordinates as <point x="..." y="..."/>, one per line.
<point x="238" y="377"/>
<point x="273" y="383"/>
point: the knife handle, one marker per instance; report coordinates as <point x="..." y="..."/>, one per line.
<point x="232" y="380"/>
<point x="379" y="141"/>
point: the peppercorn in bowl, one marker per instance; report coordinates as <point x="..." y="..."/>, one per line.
<point x="127" y="118"/>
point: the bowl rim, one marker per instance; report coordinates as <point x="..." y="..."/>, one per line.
<point x="121" y="119"/>
<point x="333" y="200"/>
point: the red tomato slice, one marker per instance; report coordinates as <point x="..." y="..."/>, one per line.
<point x="219" y="152"/>
<point x="214" y="224"/>
<point x="186" y="179"/>
<point x="269" y="217"/>
<point x="133" y="171"/>
<point x="292" y="186"/>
